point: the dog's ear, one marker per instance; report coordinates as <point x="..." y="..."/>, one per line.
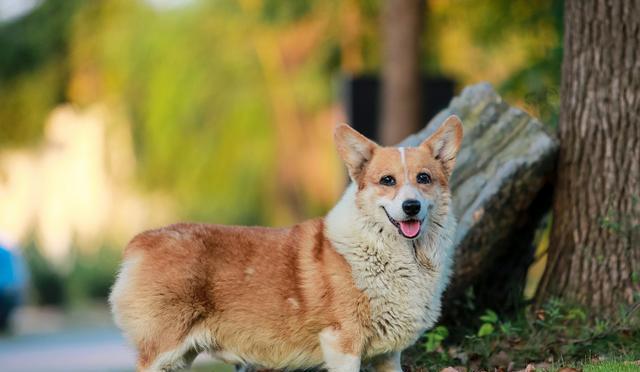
<point x="354" y="149"/>
<point x="445" y="142"/>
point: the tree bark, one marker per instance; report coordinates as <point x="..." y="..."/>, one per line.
<point x="594" y="251"/>
<point x="402" y="27"/>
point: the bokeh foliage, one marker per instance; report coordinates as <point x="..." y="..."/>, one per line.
<point x="33" y="69"/>
<point x="216" y="92"/>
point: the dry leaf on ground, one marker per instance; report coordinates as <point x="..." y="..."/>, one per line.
<point x="529" y="368"/>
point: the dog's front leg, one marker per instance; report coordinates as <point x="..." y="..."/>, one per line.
<point x="339" y="351"/>
<point x="389" y="362"/>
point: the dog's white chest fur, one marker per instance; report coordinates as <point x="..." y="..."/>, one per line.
<point x="402" y="295"/>
<point x="403" y="279"/>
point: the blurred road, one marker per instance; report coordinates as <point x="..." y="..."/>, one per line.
<point x="53" y="340"/>
<point x="89" y="350"/>
<point x="101" y="349"/>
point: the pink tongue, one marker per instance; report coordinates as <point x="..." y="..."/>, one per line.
<point x="410" y="228"/>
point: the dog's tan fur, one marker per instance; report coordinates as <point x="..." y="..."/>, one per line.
<point x="296" y="297"/>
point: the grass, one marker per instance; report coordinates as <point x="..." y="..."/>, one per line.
<point x="212" y="367"/>
<point x="612" y="366"/>
<point x="557" y="335"/>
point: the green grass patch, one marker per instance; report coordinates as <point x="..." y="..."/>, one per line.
<point x="557" y="335"/>
<point x="612" y="366"/>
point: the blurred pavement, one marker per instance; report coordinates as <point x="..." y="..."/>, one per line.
<point x="48" y="339"/>
<point x="100" y="349"/>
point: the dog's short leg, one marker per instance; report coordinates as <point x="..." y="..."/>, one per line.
<point x="175" y="359"/>
<point x="242" y="368"/>
<point x="389" y="362"/>
<point x="337" y="355"/>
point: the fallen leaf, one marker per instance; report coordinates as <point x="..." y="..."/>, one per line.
<point x="543" y="365"/>
<point x="596" y="359"/>
<point x="460" y="355"/>
<point x="475" y="362"/>
<point x="569" y="369"/>
<point x="455" y="369"/>
<point x="500" y="359"/>
<point x="529" y="368"/>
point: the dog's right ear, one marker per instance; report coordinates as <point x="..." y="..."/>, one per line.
<point x="354" y="149"/>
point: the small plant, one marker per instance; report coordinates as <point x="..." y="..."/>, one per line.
<point x="434" y="338"/>
<point x="600" y="326"/>
<point x="490" y="319"/>
<point x="508" y="329"/>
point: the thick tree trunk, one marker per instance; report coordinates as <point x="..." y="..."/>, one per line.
<point x="401" y="28"/>
<point x="594" y="252"/>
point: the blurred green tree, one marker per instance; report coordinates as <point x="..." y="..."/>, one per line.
<point x="231" y="102"/>
<point x="33" y="69"/>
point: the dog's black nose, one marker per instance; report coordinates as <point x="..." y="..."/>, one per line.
<point x="411" y="207"/>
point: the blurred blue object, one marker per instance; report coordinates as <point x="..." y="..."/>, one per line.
<point x="13" y="281"/>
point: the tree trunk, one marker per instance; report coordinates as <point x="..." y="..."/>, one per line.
<point x="594" y="251"/>
<point x="401" y="28"/>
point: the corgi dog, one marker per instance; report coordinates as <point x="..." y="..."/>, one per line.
<point x="351" y="289"/>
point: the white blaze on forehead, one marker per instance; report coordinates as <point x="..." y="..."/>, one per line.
<point x="404" y="164"/>
<point x="407" y="191"/>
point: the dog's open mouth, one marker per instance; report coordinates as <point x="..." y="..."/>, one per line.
<point x="408" y="228"/>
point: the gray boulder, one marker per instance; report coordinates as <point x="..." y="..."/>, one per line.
<point x="506" y="159"/>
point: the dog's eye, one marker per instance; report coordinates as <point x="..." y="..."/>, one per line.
<point x="387" y="180"/>
<point x="423" y="178"/>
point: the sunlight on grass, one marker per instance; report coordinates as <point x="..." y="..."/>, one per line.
<point x="612" y="366"/>
<point x="214" y="367"/>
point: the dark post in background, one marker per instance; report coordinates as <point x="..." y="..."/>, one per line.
<point x="401" y="101"/>
<point x="361" y="95"/>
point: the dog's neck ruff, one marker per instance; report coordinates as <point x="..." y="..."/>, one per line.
<point x="403" y="279"/>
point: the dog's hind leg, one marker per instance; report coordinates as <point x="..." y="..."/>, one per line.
<point x="337" y="357"/>
<point x="389" y="362"/>
<point x="172" y="360"/>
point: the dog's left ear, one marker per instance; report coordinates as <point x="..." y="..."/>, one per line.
<point x="355" y="150"/>
<point x="445" y="142"/>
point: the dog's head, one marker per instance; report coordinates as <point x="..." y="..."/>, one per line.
<point x="401" y="188"/>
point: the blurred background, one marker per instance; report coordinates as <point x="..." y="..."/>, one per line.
<point x="122" y="115"/>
